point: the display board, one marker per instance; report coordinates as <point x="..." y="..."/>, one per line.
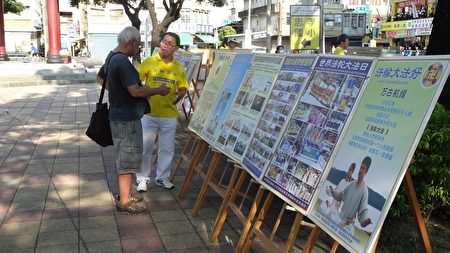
<point x="238" y="126"/>
<point x="190" y="61"/>
<point x="230" y="87"/>
<point x="213" y="85"/>
<point x="305" y="23"/>
<point x="284" y="95"/>
<point x="315" y="126"/>
<point x="381" y="139"/>
<point x="344" y="148"/>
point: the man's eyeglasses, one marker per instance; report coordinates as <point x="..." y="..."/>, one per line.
<point x="167" y="44"/>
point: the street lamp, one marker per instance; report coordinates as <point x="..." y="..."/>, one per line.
<point x="248" y="31"/>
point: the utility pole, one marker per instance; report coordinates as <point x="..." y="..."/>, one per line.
<point x="280" y="23"/>
<point x="248" y="31"/>
<point x="45" y="26"/>
<point x="322" y="31"/>
<point x="269" y="26"/>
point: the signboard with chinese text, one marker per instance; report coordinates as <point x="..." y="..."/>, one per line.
<point x="190" y="62"/>
<point x="305" y="27"/>
<point x="213" y="84"/>
<point x="240" y="123"/>
<point x="287" y="89"/>
<point x="407" y="24"/>
<point x="314" y="128"/>
<point x="379" y="143"/>
<point x="227" y="93"/>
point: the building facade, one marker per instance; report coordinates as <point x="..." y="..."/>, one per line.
<point x="352" y="17"/>
<point x="95" y="28"/>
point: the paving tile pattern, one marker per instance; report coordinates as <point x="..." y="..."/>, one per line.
<point x="56" y="185"/>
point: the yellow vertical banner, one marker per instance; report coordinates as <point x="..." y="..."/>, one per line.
<point x="305" y="27"/>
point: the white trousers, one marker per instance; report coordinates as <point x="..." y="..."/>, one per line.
<point x="165" y="129"/>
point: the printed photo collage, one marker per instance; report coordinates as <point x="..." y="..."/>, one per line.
<point x="246" y="109"/>
<point x="311" y="134"/>
<point x="285" y="93"/>
<point x="236" y="72"/>
<point x="283" y="122"/>
<point x="237" y="130"/>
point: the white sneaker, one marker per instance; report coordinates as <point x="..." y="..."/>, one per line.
<point x="142" y="185"/>
<point x="164" y="183"/>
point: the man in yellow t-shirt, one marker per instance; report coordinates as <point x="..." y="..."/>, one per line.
<point x="343" y="43"/>
<point x="161" y="122"/>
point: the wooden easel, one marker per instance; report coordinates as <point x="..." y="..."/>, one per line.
<point x="229" y="203"/>
<point x="187" y="152"/>
<point x="268" y="243"/>
<point x="208" y="181"/>
<point x="200" y="151"/>
<point x="416" y="213"/>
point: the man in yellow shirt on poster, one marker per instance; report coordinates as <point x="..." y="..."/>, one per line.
<point x="161" y="122"/>
<point x="343" y="43"/>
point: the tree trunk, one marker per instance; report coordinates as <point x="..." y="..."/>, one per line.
<point x="135" y="22"/>
<point x="172" y="14"/>
<point x="439" y="42"/>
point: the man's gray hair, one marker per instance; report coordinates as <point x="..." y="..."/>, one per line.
<point x="127" y="34"/>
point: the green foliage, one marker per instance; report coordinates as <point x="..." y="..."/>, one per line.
<point x="216" y="3"/>
<point x="74" y="3"/>
<point x="12" y="6"/>
<point x="225" y="31"/>
<point x="431" y="167"/>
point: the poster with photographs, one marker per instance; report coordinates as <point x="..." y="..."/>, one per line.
<point x="248" y="106"/>
<point x="225" y="97"/>
<point x="213" y="84"/>
<point x="315" y="126"/>
<point x="190" y="61"/>
<point x="280" y="104"/>
<point x="377" y="148"/>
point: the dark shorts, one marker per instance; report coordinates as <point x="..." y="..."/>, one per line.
<point x="128" y="145"/>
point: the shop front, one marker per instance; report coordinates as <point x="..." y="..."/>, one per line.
<point x="409" y="26"/>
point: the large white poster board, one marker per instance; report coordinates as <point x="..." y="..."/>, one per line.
<point x="314" y="128"/>
<point x="228" y="92"/>
<point x="246" y="109"/>
<point x="213" y="85"/>
<point x="284" y="95"/>
<point x="381" y="139"/>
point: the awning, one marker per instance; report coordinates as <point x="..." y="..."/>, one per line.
<point x="185" y="39"/>
<point x="207" y="38"/>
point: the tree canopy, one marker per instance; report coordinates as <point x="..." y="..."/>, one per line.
<point x="133" y="7"/>
<point x="13" y="6"/>
<point x="225" y="31"/>
<point x="439" y="44"/>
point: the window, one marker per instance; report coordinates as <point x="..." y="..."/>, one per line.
<point x="354" y="21"/>
<point x="361" y="20"/>
<point x="185" y="16"/>
<point x="97" y="14"/>
<point x="196" y="16"/>
<point x="116" y="14"/>
<point x="347" y="20"/>
<point x="332" y="21"/>
<point x="337" y="20"/>
<point x="329" y="21"/>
